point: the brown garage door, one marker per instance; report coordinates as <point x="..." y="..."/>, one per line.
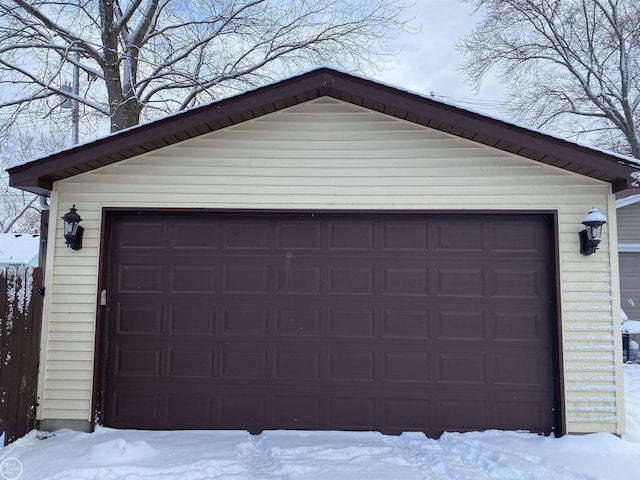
<point x="386" y="322"/>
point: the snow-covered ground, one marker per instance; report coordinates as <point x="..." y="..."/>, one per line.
<point x="189" y="455"/>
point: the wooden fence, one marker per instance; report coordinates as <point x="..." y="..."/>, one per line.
<point x="20" y="325"/>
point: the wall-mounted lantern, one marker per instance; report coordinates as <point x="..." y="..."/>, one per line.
<point x="590" y="236"/>
<point x="72" y="229"/>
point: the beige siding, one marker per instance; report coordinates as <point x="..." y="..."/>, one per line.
<point x="326" y="154"/>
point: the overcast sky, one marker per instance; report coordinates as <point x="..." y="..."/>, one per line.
<point x="428" y="60"/>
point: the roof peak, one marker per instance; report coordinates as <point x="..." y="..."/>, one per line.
<point x="38" y="176"/>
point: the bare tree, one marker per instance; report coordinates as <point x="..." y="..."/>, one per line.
<point x="565" y="60"/>
<point x="19" y="210"/>
<point x="140" y="59"/>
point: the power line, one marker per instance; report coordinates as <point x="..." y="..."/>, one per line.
<point x="475" y="102"/>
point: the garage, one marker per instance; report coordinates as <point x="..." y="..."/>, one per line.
<point x="370" y="321"/>
<point x="328" y="252"/>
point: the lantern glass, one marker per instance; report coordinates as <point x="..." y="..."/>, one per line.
<point x="72" y="229"/>
<point x="593" y="231"/>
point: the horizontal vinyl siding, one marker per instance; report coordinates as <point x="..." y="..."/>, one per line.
<point x="330" y="155"/>
<point x="629" y="224"/>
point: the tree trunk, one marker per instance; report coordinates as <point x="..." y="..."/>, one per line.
<point x="123" y="107"/>
<point x="125" y="114"/>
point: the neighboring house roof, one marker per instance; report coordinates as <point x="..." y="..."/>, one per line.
<point x="628" y="200"/>
<point x="39" y="175"/>
<point x="19" y="249"/>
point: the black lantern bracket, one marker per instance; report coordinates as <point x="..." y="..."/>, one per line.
<point x="72" y="229"/>
<point x="590" y="236"/>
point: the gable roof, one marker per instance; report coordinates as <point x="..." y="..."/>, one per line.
<point x="38" y="176"/>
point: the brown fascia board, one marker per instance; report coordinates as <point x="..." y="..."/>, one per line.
<point x="39" y="175"/>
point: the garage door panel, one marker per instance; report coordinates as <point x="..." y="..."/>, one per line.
<point x="522" y="283"/>
<point x="458" y="237"/>
<point x="189" y="409"/>
<point x="385" y="322"/>
<point x="520" y="368"/>
<point x="141" y="236"/>
<point x="246" y="235"/>
<point x="352" y="412"/>
<point x="245" y="279"/>
<point x="299" y="321"/>
<point x="351" y="321"/>
<point x="298" y="362"/>
<point x="192" y="279"/>
<point x="461" y="282"/>
<point x="406" y="366"/>
<point x="137" y="360"/>
<point x="408" y="414"/>
<point x="190" y="361"/>
<point x="521" y="326"/>
<point x="514" y="236"/>
<point x="134" y="405"/>
<point x="200" y="236"/>
<point x="190" y="319"/>
<point x="292" y="235"/>
<point x="299" y="411"/>
<point x="348" y="235"/>
<point x="241" y="361"/>
<point x="238" y="318"/>
<point x="141" y="278"/>
<point x="462" y="414"/>
<point x="351" y="362"/>
<point x="399" y="236"/>
<point x="488" y="323"/>
<point x="405" y="281"/>
<point x="146" y="319"/>
<point x="462" y="368"/>
<point x="243" y="407"/>
<point x="346" y="280"/>
<point x="510" y="412"/>
<point x="411" y="324"/>
<point x="299" y="279"/>
<point x="459" y="324"/>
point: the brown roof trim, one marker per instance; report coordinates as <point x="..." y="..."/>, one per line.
<point x="39" y="175"/>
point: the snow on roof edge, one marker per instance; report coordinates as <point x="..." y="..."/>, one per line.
<point x="630" y="200"/>
<point x="625" y="158"/>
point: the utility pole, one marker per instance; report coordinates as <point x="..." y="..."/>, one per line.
<point x="71" y="102"/>
<point x="75" y="105"/>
